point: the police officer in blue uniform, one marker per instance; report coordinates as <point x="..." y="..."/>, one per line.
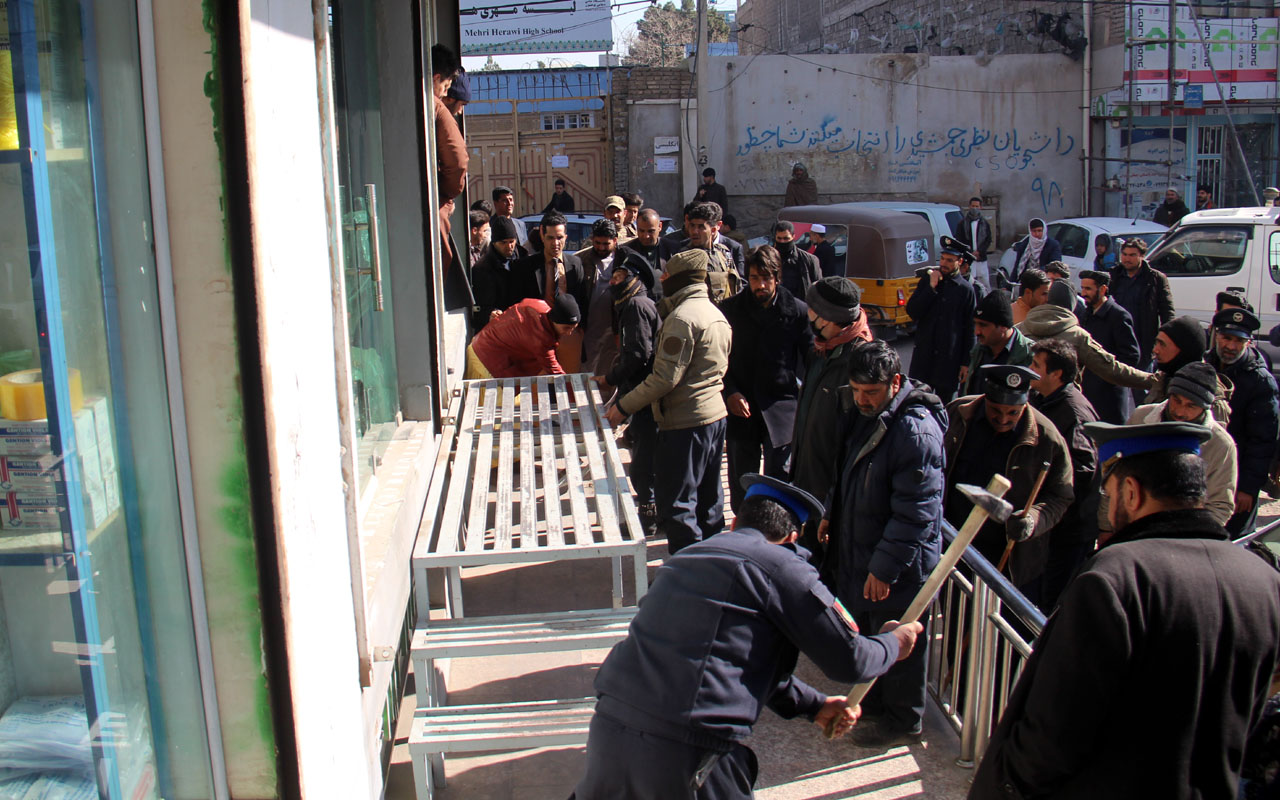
<point x="716" y="639"/>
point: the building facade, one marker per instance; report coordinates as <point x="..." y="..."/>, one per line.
<point x="223" y="362"/>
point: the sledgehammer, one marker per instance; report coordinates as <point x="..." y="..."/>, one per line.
<point x="987" y="503"/>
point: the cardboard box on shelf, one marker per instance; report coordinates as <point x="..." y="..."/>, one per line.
<point x="101" y="409"/>
<point x="31" y="437"/>
<point x="28" y="471"/>
<point x="23" y="511"/>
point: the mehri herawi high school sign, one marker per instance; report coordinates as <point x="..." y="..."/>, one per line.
<point x="539" y="26"/>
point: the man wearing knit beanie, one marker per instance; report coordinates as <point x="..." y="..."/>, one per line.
<point x="685" y="391"/>
<point x="521" y="342"/>
<point x="493" y="278"/>
<point x="838" y="323"/>
<point x="1192" y="391"/>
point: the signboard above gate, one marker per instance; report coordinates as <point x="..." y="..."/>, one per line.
<point x="538" y="26"/>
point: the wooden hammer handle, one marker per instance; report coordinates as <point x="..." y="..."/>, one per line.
<point x="1031" y="500"/>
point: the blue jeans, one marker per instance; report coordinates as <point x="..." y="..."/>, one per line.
<point x="687" y="485"/>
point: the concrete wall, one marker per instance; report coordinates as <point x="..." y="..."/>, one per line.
<point x="934" y="27"/>
<point x="901" y="127"/>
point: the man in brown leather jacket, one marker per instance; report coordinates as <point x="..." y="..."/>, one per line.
<point x="997" y="432"/>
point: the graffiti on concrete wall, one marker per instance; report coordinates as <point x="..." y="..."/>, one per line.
<point x="1011" y="149"/>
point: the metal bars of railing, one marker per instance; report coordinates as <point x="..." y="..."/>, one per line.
<point x="982" y="631"/>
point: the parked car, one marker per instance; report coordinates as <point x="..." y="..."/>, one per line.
<point x="578" y="227"/>
<point x="1077" y="235"/>
<point x="1236" y="249"/>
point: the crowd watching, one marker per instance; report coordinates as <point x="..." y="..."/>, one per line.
<point x="1135" y="438"/>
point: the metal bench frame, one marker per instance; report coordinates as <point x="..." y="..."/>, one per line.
<point x="566" y="456"/>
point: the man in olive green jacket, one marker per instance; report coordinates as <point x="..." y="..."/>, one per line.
<point x="684" y="390"/>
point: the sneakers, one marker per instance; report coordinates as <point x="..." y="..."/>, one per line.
<point x="881" y="734"/>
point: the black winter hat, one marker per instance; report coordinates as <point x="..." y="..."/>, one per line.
<point x="996" y="308"/>
<point x="501" y="229"/>
<point x="1062" y="294"/>
<point x="564" y="310"/>
<point x="835" y="299"/>
<point x="1197" y="381"/>
<point x="1188" y="335"/>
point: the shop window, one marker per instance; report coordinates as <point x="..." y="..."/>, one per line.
<point x="99" y="684"/>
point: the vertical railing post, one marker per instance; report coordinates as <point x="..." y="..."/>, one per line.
<point x="986" y="668"/>
<point x="971" y="660"/>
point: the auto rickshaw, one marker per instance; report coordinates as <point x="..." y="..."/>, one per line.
<point x="880" y="251"/>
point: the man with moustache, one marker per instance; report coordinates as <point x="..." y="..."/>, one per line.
<point x="998" y="432"/>
<point x="884" y="518"/>
<point x="1255" y="418"/>
<point x="771" y="338"/>
<point x="942" y="307"/>
<point x="1169" y="621"/>
<point x="999" y="342"/>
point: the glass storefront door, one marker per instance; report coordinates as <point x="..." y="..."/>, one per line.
<point x="358" y="122"/>
<point x="99" y="685"/>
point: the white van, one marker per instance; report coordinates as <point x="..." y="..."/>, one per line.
<point x="1224" y="249"/>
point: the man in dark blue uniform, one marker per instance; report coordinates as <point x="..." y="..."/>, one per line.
<point x="1255" y="415"/>
<point x="1155" y="667"/>
<point x="942" y="307"/>
<point x="716" y="639"/>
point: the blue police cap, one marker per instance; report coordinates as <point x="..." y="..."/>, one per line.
<point x="797" y="501"/>
<point x="1007" y="384"/>
<point x="1121" y="441"/>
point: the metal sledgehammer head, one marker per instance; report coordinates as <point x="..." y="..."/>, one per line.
<point x="997" y="508"/>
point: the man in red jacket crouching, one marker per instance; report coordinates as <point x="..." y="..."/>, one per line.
<point x="522" y="341"/>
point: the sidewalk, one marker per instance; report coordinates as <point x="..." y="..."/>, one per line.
<point x="795" y="760"/>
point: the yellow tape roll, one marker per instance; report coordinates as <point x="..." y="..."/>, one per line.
<point x="22" y="394"/>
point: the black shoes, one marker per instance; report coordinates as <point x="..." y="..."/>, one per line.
<point x="881" y="734"/>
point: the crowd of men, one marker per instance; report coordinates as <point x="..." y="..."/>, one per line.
<point x="1136" y="441"/>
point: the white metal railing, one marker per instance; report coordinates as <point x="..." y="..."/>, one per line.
<point x="983" y="628"/>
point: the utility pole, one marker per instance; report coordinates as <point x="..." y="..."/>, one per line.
<point x="700" y="76"/>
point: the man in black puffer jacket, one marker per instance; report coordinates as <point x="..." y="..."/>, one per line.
<point x="1255" y="417"/>
<point x="885" y="520"/>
